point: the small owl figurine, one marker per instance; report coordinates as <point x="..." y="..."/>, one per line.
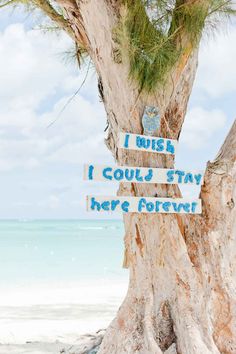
<point x="150" y="120"/>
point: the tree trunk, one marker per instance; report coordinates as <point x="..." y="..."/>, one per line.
<point x="181" y="296"/>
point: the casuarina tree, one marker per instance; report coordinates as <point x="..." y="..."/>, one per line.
<point x="182" y="289"/>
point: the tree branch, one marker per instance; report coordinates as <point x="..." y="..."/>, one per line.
<point x="49" y="10"/>
<point x="7" y="3"/>
<point x="228" y="150"/>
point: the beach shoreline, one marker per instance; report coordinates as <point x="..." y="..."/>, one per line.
<point x="85" y="344"/>
<point x="65" y="319"/>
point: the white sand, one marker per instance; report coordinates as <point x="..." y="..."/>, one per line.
<point x="49" y="318"/>
<point x="86" y="342"/>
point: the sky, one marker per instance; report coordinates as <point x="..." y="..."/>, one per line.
<point x="41" y="165"/>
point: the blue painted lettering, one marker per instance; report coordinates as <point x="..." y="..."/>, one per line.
<point x="198" y="178"/>
<point x="186" y="207"/>
<point x="105" y="171"/>
<point x="180" y="174"/>
<point x="90" y="172"/>
<point x="157" y="207"/>
<point x="175" y="207"/>
<point x="153" y="144"/>
<point x="139" y="142"/>
<point x="129" y="174"/>
<point x="95" y="204"/>
<point x="194" y="206"/>
<point x="114" y="204"/>
<point x="150" y="206"/>
<point x="188" y="178"/>
<point x="160" y="145"/>
<point x="141" y="204"/>
<point x="166" y="206"/>
<point x="125" y="206"/>
<point x="118" y="174"/>
<point x="170" y="176"/>
<point x="169" y="147"/>
<point x="181" y="206"/>
<point x="142" y="142"/>
<point x="149" y="175"/>
<point x="126" y="144"/>
<point x="137" y="175"/>
<point x="106" y="205"/>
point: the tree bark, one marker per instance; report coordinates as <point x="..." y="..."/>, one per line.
<point x="181" y="296"/>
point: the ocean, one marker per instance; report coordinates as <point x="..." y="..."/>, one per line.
<point x="59" y="278"/>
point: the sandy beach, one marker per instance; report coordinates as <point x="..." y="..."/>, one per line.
<point x="88" y="343"/>
<point x="44" y="328"/>
<point x="56" y="320"/>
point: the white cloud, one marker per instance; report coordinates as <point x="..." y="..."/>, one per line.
<point x="217" y="70"/>
<point x="27" y="63"/>
<point x="80" y="119"/>
<point x="89" y="150"/>
<point x="201" y="125"/>
<point x="31" y="74"/>
<point x="22" y="152"/>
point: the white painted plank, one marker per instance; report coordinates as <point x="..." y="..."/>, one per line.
<point x="144" y="205"/>
<point x="147" y="143"/>
<point x="142" y="175"/>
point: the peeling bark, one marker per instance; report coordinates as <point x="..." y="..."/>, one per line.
<point x="181" y="296"/>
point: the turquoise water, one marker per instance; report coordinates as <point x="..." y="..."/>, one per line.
<point x="32" y="251"/>
<point x="59" y="279"/>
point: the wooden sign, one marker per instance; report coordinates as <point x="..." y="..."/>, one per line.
<point x="147" y="143"/>
<point x="142" y="175"/>
<point x="143" y="205"/>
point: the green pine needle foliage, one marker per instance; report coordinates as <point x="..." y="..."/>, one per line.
<point x="149" y="34"/>
<point x="140" y="40"/>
